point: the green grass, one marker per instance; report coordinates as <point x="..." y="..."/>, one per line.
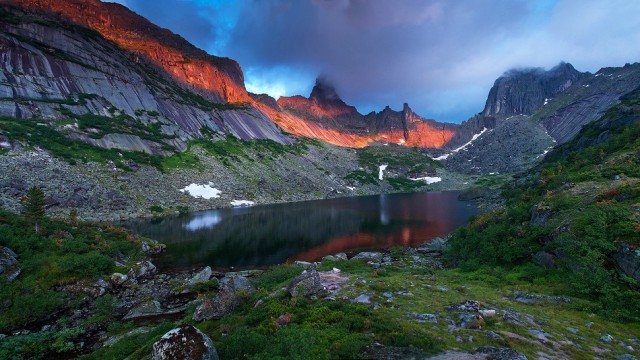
<point x="60" y="253"/>
<point x="588" y="213"/>
<point x="32" y="132"/>
<point x="411" y="159"/>
<point x="403" y="184"/>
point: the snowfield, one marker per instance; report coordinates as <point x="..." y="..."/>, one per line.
<point x="475" y="136"/>
<point x="206" y="191"/>
<point x="237" y="203"/>
<point x="428" y="179"/>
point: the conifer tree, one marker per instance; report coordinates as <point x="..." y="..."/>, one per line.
<point x="33" y="202"/>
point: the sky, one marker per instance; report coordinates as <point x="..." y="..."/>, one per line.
<point x="440" y="56"/>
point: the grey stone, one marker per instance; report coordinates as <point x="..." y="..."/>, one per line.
<point x="362" y="299"/>
<point x="118" y="279"/>
<point x="500" y="353"/>
<point x="436" y="246"/>
<point x="141" y="270"/>
<point x="9" y="264"/>
<point x="148" y="308"/>
<point x="236" y="284"/>
<point x="335" y="257"/>
<point x="223" y="304"/>
<point x="367" y="256"/>
<point x="306" y="284"/>
<point x="423" y="318"/>
<point x="184" y="343"/>
<point x="202" y="276"/>
<point x="152" y="247"/>
<point x="534" y="298"/>
<point x="627" y="261"/>
<point x="606" y="338"/>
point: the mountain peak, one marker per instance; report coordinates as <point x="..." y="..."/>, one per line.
<point x="324" y="91"/>
<point x="525" y="90"/>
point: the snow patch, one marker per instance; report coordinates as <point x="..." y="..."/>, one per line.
<point x="473" y="138"/>
<point x="401" y="141"/>
<point x="380" y="173"/>
<point x="242" y="203"/>
<point x="546" y="101"/>
<point x="205" y="191"/>
<point x="351" y="188"/>
<point x="428" y="179"/>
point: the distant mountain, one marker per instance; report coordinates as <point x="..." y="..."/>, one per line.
<point x="524" y="91"/>
<point x="533" y="110"/>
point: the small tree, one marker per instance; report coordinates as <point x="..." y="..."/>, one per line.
<point x="33" y="203"/>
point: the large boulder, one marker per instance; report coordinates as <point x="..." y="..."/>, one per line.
<point x="436" y="246"/>
<point x="184" y="343"/>
<point x="236" y="284"/>
<point x="367" y="256"/>
<point x="141" y="270"/>
<point x="9" y="263"/>
<point x="306" y="284"/>
<point x="217" y="307"/>
<point x="627" y="261"/>
<point x="152" y="247"/>
<point x="202" y="276"/>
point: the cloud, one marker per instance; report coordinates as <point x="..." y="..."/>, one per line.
<point x="440" y="56"/>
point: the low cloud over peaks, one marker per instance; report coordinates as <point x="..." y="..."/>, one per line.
<point x="439" y="56"/>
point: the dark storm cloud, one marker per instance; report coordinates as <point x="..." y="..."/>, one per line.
<point x="441" y="56"/>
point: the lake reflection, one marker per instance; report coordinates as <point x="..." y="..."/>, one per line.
<point x="272" y="234"/>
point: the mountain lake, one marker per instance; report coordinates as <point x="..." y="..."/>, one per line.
<point x="262" y="235"/>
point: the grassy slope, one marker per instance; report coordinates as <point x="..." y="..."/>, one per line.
<point x="588" y="190"/>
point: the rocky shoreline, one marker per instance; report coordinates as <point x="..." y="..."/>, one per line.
<point x="106" y="193"/>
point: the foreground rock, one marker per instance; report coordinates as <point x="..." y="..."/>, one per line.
<point x="9" y="263"/>
<point x="434" y="247"/>
<point x="152" y="247"/>
<point x="184" y="343"/>
<point x="367" y="256"/>
<point x="233" y="291"/>
<point x="141" y="270"/>
<point x="216" y="308"/>
<point x="627" y="261"/>
<point x="306" y="284"/>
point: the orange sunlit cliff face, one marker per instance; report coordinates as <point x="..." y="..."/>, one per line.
<point x="219" y="78"/>
<point x="325" y="116"/>
<point x="322" y="116"/>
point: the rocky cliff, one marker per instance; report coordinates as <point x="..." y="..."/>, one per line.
<point x="324" y="113"/>
<point x="523" y="91"/>
<point x="533" y="110"/>
<point x="58" y="71"/>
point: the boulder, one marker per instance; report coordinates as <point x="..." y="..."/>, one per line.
<point x="435" y="246"/>
<point x="367" y="256"/>
<point x="141" y="270"/>
<point x="152" y="247"/>
<point x="217" y="307"/>
<point x="118" y="279"/>
<point x="9" y="263"/>
<point x="627" y="261"/>
<point x="500" y="353"/>
<point x="87" y="287"/>
<point x="236" y="284"/>
<point x="145" y="309"/>
<point x="362" y="299"/>
<point x="305" y="284"/>
<point x="184" y="343"/>
<point x="202" y="276"/>
<point x="337" y="257"/>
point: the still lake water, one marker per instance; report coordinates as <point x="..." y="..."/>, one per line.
<point x="272" y="234"/>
